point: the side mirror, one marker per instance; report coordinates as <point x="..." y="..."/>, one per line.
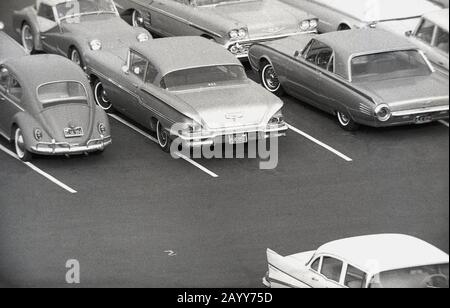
<point x="125" y="70"/>
<point x="297" y="54"/>
<point x="408" y="33"/>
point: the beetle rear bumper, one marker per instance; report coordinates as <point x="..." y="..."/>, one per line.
<point x="63" y="148"/>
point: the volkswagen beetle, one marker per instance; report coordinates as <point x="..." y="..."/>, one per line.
<point x="46" y="106"/>
<point x="70" y="28"/>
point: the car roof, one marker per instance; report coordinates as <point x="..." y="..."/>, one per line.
<point x="178" y="53"/>
<point x="384" y="252"/>
<point x="439" y="18"/>
<point x="33" y="71"/>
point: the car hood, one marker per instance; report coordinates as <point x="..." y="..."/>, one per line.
<point x="232" y="106"/>
<point x="262" y="17"/>
<point x="56" y="119"/>
<point x="407" y="93"/>
<point x="113" y="32"/>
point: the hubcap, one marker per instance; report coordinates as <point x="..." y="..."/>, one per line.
<point x="101" y="98"/>
<point x="20" y="144"/>
<point x="138" y="20"/>
<point x="162" y="135"/>
<point x="343" y="118"/>
<point x="270" y="79"/>
<point x="27" y="38"/>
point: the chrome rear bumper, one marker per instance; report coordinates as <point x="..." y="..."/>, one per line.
<point x="64" y="148"/>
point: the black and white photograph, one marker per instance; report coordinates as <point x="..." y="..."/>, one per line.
<point x="218" y="145"/>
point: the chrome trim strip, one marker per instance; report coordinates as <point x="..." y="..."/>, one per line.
<point x="12" y="102"/>
<point x="420" y="110"/>
<point x="418" y="100"/>
<point x="265" y="38"/>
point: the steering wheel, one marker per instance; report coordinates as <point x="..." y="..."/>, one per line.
<point x="436" y="281"/>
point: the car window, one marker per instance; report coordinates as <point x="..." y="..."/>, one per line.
<point x="426" y="31"/>
<point x="4" y="79"/>
<point x="138" y="65"/>
<point x="152" y="72"/>
<point x="442" y="40"/>
<point x="315" y="265"/>
<point x="319" y="54"/>
<point x="354" y="278"/>
<point x="15" y="89"/>
<point x="46" y="11"/>
<point x="331" y="268"/>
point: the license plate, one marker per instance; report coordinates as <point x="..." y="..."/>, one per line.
<point x="423" y="119"/>
<point x="236" y="139"/>
<point x="73" y="132"/>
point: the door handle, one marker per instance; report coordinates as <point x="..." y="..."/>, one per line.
<point x="315" y="279"/>
<point x="43" y="37"/>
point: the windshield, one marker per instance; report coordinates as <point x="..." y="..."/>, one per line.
<point x="432" y="276"/>
<point x="209" y="76"/>
<point x="76" y="8"/>
<point x="58" y="93"/>
<point x="389" y="65"/>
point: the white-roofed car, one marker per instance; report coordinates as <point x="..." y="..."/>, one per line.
<point x="431" y="35"/>
<point x="372" y="261"/>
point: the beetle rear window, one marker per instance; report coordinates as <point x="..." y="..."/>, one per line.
<point x="67" y="92"/>
<point x="389" y="65"/>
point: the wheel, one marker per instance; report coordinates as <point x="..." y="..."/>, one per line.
<point x="100" y="96"/>
<point x="137" y="19"/>
<point x="20" y="146"/>
<point x="163" y="137"/>
<point x="269" y="80"/>
<point x="76" y="58"/>
<point x="346" y="122"/>
<point x="27" y="38"/>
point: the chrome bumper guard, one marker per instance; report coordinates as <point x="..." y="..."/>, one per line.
<point x="56" y="148"/>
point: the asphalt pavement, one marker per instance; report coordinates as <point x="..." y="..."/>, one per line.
<point x="136" y="217"/>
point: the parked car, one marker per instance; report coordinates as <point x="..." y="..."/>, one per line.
<point x="45" y="105"/>
<point x="70" y="28"/>
<point x="431" y="35"/>
<point x="235" y="24"/>
<point x="374" y="261"/>
<point x="189" y="81"/>
<point x="397" y="16"/>
<point x="365" y="76"/>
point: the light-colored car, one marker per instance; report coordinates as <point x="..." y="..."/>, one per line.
<point x="190" y="82"/>
<point x="71" y="28"/>
<point x="397" y="16"/>
<point x="235" y="24"/>
<point x="366" y="76"/>
<point x="431" y="35"/>
<point x="373" y="261"/>
<point x="46" y="106"/>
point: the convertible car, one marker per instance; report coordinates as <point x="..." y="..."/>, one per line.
<point x="185" y="88"/>
<point x="235" y="24"/>
<point x="397" y="16"/>
<point x="365" y="76"/>
<point x="373" y="261"/>
<point x="45" y="105"/>
<point x="431" y="35"/>
<point x="72" y="27"/>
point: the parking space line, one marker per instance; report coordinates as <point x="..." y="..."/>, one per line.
<point x="140" y="131"/>
<point x="39" y="171"/>
<point x="444" y="123"/>
<point x="327" y="147"/>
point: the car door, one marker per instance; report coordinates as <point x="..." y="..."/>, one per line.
<point x="170" y="17"/>
<point x="313" y="278"/>
<point x="354" y="277"/>
<point x="49" y="29"/>
<point x="10" y="99"/>
<point x="331" y="271"/>
<point x="441" y="47"/>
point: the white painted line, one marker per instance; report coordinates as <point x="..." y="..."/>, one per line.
<point x="327" y="147"/>
<point x="140" y="131"/>
<point x="444" y="123"/>
<point x="39" y="171"/>
<point x="197" y="165"/>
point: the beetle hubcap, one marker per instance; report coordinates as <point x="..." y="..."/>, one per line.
<point x="20" y="144"/>
<point x="138" y="20"/>
<point x="101" y="98"/>
<point x="270" y="79"/>
<point x="163" y="138"/>
<point x="343" y="118"/>
<point x="27" y="38"/>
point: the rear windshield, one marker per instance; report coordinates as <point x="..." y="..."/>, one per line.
<point x="389" y="65"/>
<point x="209" y="76"/>
<point x="58" y="93"/>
